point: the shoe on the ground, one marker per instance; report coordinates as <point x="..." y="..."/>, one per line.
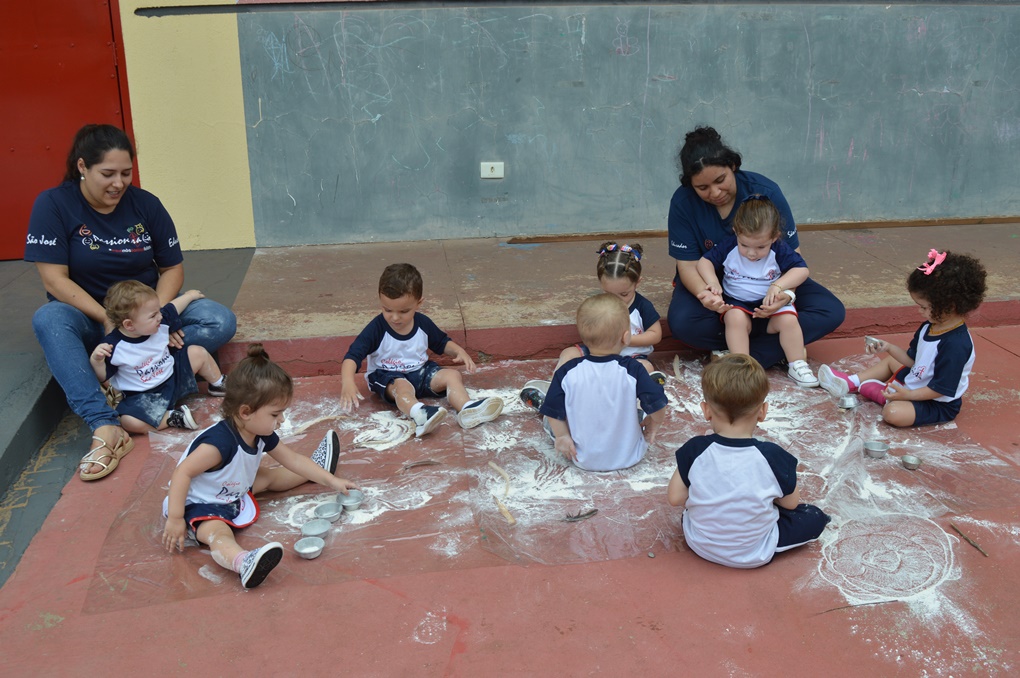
<point x="479" y="411"/>
<point x="533" y="393"/>
<point x="802" y="374"/>
<point x="257" y="564"/>
<point x="835" y="382"/>
<point x="872" y="389"/>
<point x="181" y="418"/>
<point x="659" y="377"/>
<point x="328" y="452"/>
<point x="720" y="353"/>
<point x="427" y="419"/>
<point x="218" y="391"/>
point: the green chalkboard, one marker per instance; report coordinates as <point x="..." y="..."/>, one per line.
<point x="370" y="124"/>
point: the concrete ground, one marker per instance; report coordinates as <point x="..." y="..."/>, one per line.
<point x="430" y="579"/>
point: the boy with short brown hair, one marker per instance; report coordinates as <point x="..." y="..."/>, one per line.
<point x="740" y="496"/>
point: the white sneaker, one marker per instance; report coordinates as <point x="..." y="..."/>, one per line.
<point x="802" y="374"/>
<point x="831" y="383"/>
<point x="533" y="393"/>
<point x="479" y="411"/>
<point x="720" y="353"/>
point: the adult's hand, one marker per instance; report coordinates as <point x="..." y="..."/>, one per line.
<point x="712" y="301"/>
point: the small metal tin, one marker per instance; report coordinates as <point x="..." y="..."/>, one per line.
<point x="315" y="528"/>
<point x="309" y="547"/>
<point x="330" y="511"/>
<point x="876" y="449"/>
<point x="847" y="402"/>
<point x="910" y="462"/>
<point x="352" y="499"/>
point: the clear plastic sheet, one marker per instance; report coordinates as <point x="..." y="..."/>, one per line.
<point x="444" y="516"/>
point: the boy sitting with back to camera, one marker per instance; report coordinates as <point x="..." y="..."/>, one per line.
<point x="396" y="345"/>
<point x="590" y="403"/>
<point x="740" y="495"/>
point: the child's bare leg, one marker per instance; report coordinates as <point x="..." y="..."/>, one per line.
<point x="791" y="337"/>
<point x="883" y="371"/>
<point x="402" y="393"/>
<point x="738" y="330"/>
<point x="899" y="413"/>
<point x="567" y="354"/>
<point x="135" y="425"/>
<point x="203" y="365"/>
<point x="276" y="479"/>
<point x="219" y="537"/>
<point x="645" y="363"/>
<point x="450" y="380"/>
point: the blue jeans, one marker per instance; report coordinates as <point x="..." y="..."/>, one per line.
<point x="68" y="337"/>
<point x="818" y="310"/>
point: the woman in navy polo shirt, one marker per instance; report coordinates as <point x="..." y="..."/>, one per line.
<point x="712" y="186"/>
<point x="91" y="231"/>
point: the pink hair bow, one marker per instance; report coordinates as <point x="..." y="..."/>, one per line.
<point x="934" y="259"/>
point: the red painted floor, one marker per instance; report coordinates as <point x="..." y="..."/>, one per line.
<point x="428" y="579"/>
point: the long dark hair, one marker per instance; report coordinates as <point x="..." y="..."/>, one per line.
<point x="91" y="144"/>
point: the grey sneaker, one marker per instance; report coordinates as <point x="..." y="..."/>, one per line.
<point x="218" y="391"/>
<point x="802" y="374"/>
<point x="427" y="419"/>
<point x="479" y="411"/>
<point x="181" y="418"/>
<point x="328" y="452"/>
<point x="257" y="564"/>
<point x="533" y="393"/>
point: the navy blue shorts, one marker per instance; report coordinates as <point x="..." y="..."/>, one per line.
<point x="927" y="412"/>
<point x="421" y="379"/>
<point x="799" y="526"/>
<point x="150" y="406"/>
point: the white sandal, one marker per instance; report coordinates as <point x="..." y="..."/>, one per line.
<point x="115" y="455"/>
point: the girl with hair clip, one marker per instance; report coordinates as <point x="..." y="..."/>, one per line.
<point x="618" y="268"/>
<point x="924" y="384"/>
<point x="212" y="489"/>
<point x="759" y="271"/>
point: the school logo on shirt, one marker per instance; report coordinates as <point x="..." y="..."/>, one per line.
<point x="136" y="239"/>
<point x="708" y="244"/>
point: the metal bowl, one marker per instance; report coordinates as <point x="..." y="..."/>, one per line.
<point x="352" y="499"/>
<point x="315" y="528"/>
<point x="330" y="511"/>
<point x="910" y="462"/>
<point x="309" y="547"/>
<point x="847" y="402"/>
<point x="876" y="449"/>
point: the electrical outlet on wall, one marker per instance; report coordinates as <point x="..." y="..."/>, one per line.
<point x="492" y="170"/>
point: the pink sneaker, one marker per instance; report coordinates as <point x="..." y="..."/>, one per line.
<point x="835" y="382"/>
<point x="872" y="389"/>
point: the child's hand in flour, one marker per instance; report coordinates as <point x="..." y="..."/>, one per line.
<point x="350" y="397"/>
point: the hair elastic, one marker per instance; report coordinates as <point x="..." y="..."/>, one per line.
<point x="623" y="248"/>
<point x="934" y="259"/>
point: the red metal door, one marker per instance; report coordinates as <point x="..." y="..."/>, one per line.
<point x="58" y="71"/>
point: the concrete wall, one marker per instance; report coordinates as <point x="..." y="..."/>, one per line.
<point x="370" y="123"/>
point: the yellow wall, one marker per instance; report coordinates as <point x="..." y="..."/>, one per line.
<point x="184" y="82"/>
